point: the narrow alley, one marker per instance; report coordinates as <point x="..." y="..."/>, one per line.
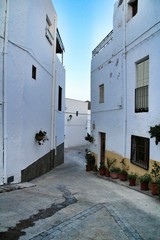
<point x="70" y="203"/>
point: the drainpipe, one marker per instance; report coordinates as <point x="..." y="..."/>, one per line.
<point x="4" y="87"/>
<point x="125" y="83"/>
<point x="53" y="105"/>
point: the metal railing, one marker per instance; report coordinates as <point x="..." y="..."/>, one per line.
<point x="103" y="43"/>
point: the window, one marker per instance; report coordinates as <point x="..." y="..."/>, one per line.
<point x="34" y="70"/>
<point x="76" y="113"/>
<point x="142" y="82"/>
<point x="133" y="4"/>
<point x="120" y="2"/>
<point x="101" y="93"/>
<point x="60" y="99"/>
<point x="48" y="33"/>
<point x="140" y="151"/>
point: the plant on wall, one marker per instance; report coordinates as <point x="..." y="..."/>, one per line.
<point x="41" y="137"/>
<point x="89" y="138"/>
<point x="155" y="132"/>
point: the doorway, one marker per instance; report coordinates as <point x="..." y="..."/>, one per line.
<point x="102" y="147"/>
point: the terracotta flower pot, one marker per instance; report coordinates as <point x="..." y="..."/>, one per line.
<point x="114" y="175"/>
<point x="107" y="173"/>
<point x="88" y="168"/>
<point x="144" y="186"/>
<point x="123" y="176"/>
<point x="132" y="182"/>
<point x="154" y="188"/>
<point x="102" y="171"/>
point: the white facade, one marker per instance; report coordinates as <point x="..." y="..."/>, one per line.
<point x="77" y="122"/>
<point x="28" y="103"/>
<point x="134" y="37"/>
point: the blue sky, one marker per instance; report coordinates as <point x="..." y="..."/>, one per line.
<point x="82" y="25"/>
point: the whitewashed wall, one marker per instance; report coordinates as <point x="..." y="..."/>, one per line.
<point x="29" y="101"/>
<point x="60" y="81"/>
<point x="76" y="128"/>
<point x="114" y="66"/>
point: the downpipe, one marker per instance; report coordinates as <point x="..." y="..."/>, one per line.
<point x="4" y="87"/>
<point x="53" y="104"/>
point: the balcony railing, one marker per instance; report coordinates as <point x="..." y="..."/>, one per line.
<point x="103" y="43"/>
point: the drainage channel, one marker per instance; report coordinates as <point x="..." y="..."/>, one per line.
<point x="13" y="233"/>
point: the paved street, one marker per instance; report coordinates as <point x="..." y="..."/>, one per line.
<point x="70" y="203"/>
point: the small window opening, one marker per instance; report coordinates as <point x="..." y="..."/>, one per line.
<point x="76" y="113"/>
<point x="60" y="99"/>
<point x="120" y="2"/>
<point x="134" y="6"/>
<point x="101" y="93"/>
<point x="34" y="70"/>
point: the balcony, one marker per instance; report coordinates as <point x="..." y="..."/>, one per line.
<point x="103" y="43"/>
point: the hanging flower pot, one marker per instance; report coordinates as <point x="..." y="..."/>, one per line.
<point x="41" y="137"/>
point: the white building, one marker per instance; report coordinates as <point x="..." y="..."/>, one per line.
<point x="77" y="122"/>
<point x="125" y="86"/>
<point x="32" y="86"/>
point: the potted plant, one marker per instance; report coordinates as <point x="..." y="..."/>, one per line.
<point x="155" y="172"/>
<point x="95" y="169"/>
<point x="155" y="132"/>
<point x="89" y="138"/>
<point x="114" y="172"/>
<point x="132" y="179"/>
<point x="102" y="169"/>
<point x="123" y="173"/>
<point x="90" y="160"/>
<point x="110" y="162"/>
<point x="41" y="137"/>
<point x="144" y="181"/>
<point x="158" y="184"/>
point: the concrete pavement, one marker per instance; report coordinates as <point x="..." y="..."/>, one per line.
<point x="70" y="203"/>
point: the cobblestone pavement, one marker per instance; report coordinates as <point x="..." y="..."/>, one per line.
<point x="118" y="227"/>
<point x="70" y="203"/>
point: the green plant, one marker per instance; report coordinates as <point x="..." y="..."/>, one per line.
<point x="41" y="137"/>
<point x="132" y="175"/>
<point x="102" y="165"/>
<point x="89" y="138"/>
<point x="115" y="169"/>
<point x="145" y="178"/>
<point x="90" y="159"/>
<point x="158" y="184"/>
<point x="123" y="171"/>
<point x="95" y="169"/>
<point x="155" y="172"/>
<point x="155" y="132"/>
<point x="110" y="162"/>
<point x="123" y="166"/>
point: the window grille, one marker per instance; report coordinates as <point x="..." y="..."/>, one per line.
<point x="142" y="83"/>
<point x="140" y="151"/>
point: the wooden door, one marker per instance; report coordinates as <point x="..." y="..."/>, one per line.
<point x="102" y="147"/>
